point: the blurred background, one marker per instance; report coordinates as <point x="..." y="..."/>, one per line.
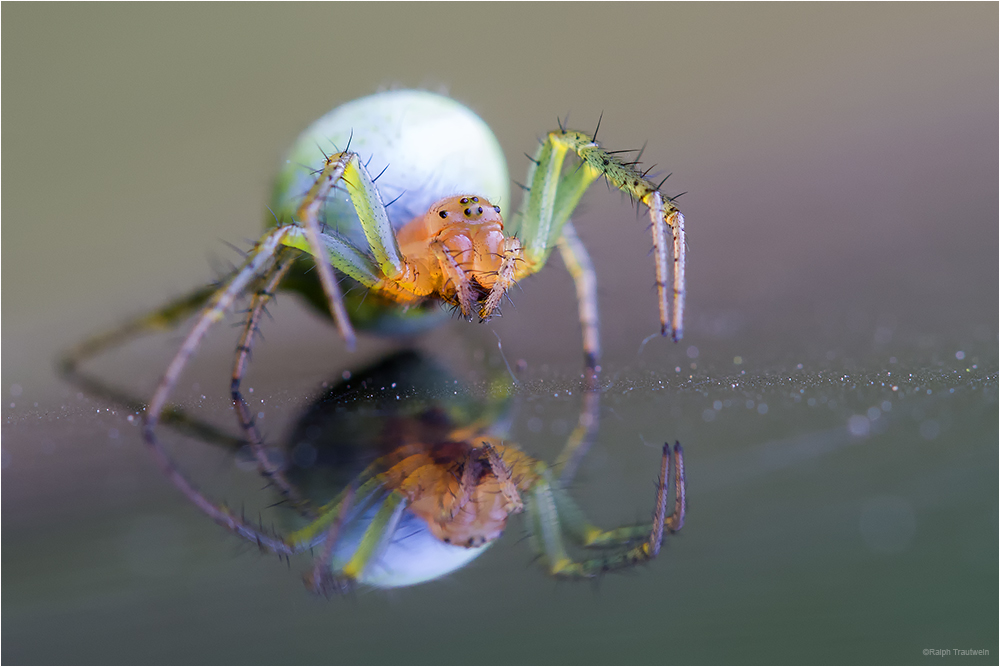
<point x="836" y="389"/>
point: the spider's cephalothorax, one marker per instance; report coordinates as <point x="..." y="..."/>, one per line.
<point x="460" y="255"/>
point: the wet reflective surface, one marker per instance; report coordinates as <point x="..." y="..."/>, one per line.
<point x="835" y="390"/>
<point x="400" y="474"/>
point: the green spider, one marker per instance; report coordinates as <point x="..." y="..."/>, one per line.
<point x="440" y="239"/>
<point x="400" y="479"/>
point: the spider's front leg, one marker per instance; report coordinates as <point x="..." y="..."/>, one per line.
<point x="283" y="262"/>
<point x="555" y="192"/>
<point x="345" y="169"/>
<point x="383" y="268"/>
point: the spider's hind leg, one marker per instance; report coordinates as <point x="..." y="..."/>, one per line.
<point x="163" y="319"/>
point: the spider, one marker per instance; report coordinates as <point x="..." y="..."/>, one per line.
<point x="440" y="239"/>
<point x="426" y="486"/>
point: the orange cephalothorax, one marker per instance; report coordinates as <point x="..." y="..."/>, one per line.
<point x="458" y="252"/>
<point x="464" y="493"/>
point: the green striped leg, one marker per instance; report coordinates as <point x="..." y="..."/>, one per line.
<point x="321" y="579"/>
<point x="346" y="169"/>
<point x="325" y="530"/>
<point x="553" y="195"/>
<point x="552" y="512"/>
<point x="362" y="492"/>
<point x="385" y="260"/>
<point x="165" y="318"/>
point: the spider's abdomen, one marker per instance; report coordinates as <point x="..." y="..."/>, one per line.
<point x="425" y="146"/>
<point x="422" y="147"/>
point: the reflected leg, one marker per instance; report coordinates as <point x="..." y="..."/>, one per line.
<point x="550" y="514"/>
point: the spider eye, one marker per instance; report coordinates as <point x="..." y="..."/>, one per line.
<point x="496" y="208"/>
<point x="464" y="200"/>
<point x="475" y="199"/>
<point x="468" y="211"/>
<point x="443" y="214"/>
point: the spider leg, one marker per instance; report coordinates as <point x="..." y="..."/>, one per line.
<point x="551" y="510"/>
<point x="283" y="261"/>
<point x="364" y="490"/>
<point x="257" y="264"/>
<point x="662" y="213"/>
<point x="578" y="263"/>
<point x="675" y="521"/>
<point x="321" y="580"/>
<point x="503" y="474"/>
<point x="347" y="258"/>
<point x="308" y="216"/>
<point x="466" y="485"/>
<point x="373" y="216"/>
<point x="591" y="536"/>
<point x="581" y="268"/>
<point x="346" y="169"/>
<point x="384" y="269"/>
<point x="376" y="536"/>
<point x="164" y="318"/>
<point x="583" y="433"/>
<point x="506" y="277"/>
<point x="553" y="195"/>
<point x="457" y="276"/>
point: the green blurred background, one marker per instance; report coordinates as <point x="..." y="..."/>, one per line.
<point x="840" y="163"/>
